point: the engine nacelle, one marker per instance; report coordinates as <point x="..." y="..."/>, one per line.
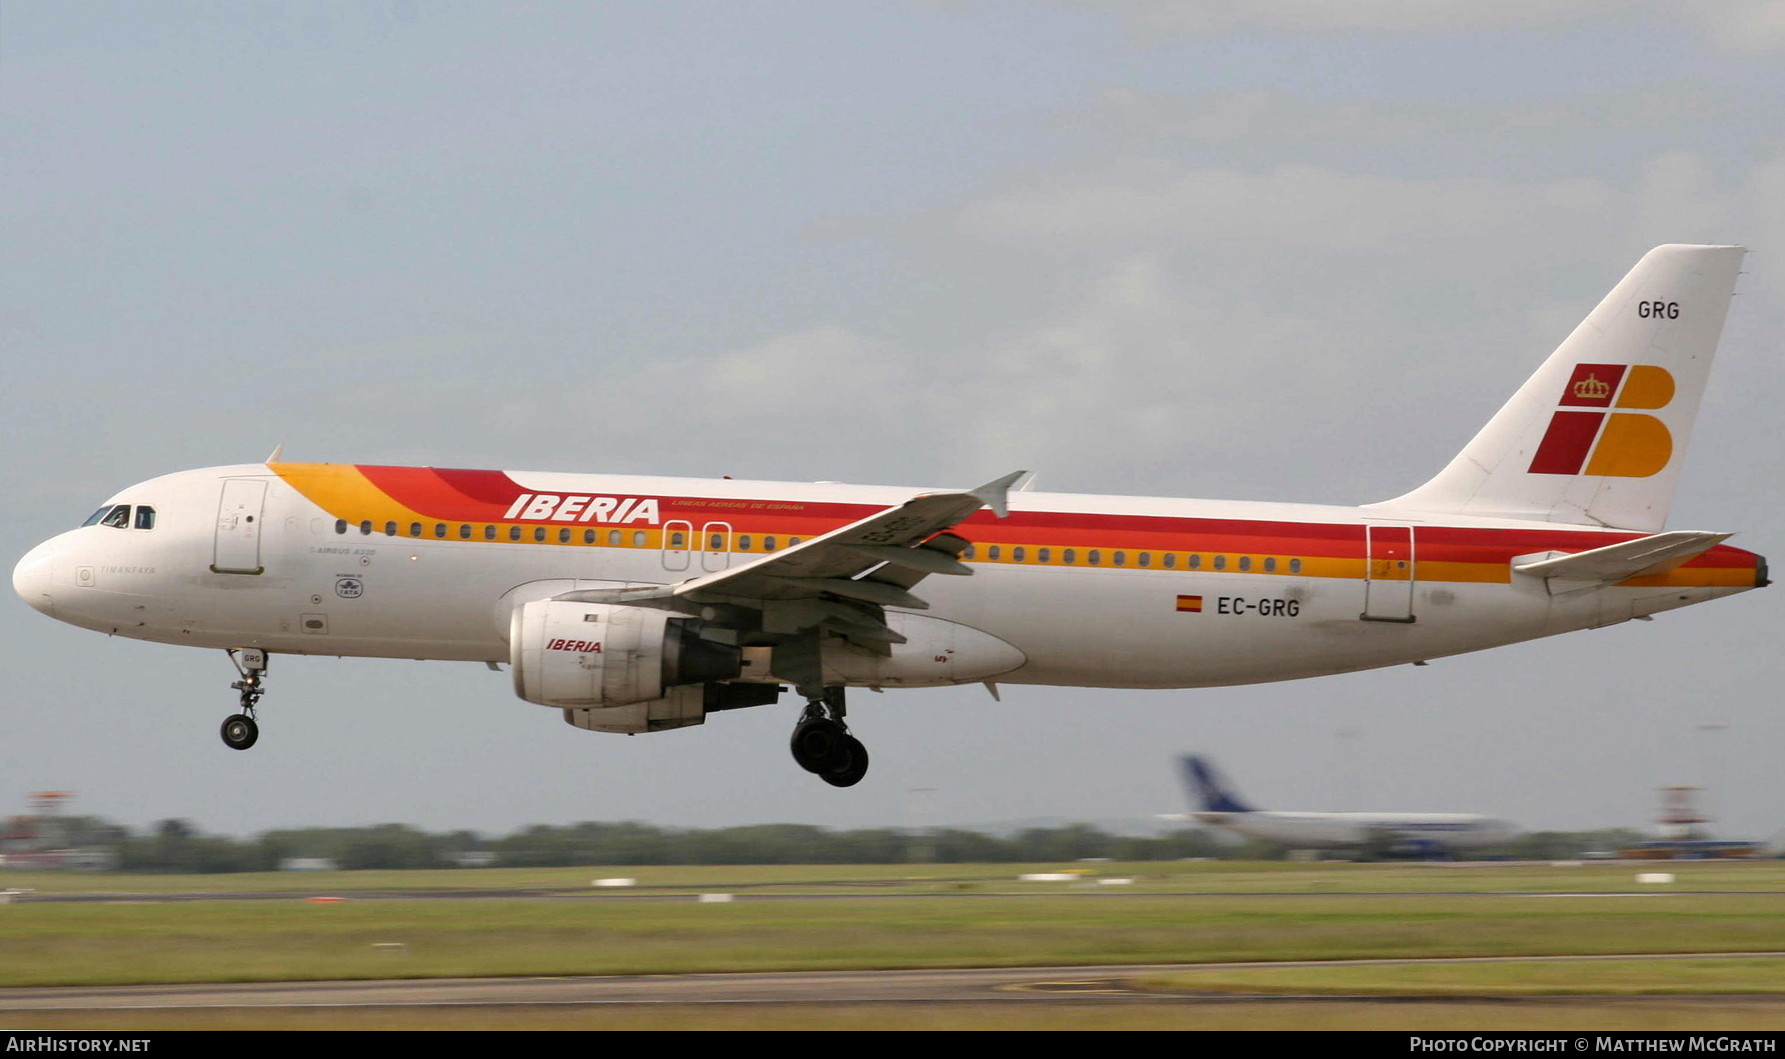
<point x="682" y="707"/>
<point x="598" y="656"/>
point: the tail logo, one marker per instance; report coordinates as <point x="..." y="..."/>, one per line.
<point x="1609" y="444"/>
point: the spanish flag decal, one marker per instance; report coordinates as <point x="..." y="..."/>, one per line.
<point x="1190" y="603"/>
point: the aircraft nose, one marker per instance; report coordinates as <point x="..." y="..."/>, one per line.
<point x="32" y="577"/>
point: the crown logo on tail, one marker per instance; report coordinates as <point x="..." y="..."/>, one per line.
<point x="1592" y="388"/>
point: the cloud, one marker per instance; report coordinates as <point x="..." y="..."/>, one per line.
<point x="1286" y="204"/>
<point x="1745" y="27"/>
<point x="820" y="367"/>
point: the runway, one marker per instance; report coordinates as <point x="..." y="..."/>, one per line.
<point x="1054" y="985"/>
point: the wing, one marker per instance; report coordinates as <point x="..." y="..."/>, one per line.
<point x="838" y="581"/>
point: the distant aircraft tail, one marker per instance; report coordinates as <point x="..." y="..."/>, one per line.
<point x="1596" y="437"/>
<point x="1208" y="786"/>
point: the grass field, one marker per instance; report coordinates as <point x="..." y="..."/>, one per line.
<point x="941" y="916"/>
<point x="1190" y="876"/>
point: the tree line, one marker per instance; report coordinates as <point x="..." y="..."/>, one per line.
<point x="178" y="846"/>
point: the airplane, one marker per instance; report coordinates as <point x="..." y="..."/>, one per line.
<point x="639" y="604"/>
<point x="1393" y="834"/>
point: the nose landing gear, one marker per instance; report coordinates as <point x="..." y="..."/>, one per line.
<point x="239" y="729"/>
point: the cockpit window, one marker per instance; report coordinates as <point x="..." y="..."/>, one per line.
<point x="117" y="516"/>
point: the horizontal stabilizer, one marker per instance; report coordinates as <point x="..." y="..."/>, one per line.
<point x="1645" y="556"/>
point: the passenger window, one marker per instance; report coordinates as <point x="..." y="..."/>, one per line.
<point x="1094" y="557"/>
<point x="1220" y="562"/>
<point x="390" y="529"/>
<point x="613" y="538"/>
<point x="1146" y="558"/>
<point x="1121" y="558"/>
<point x="588" y="536"/>
<point x="1071" y="556"/>
<point x="564" y="535"/>
<point x="768" y="544"/>
<point x="744" y="543"/>
<point x="715" y="542"/>
<point x="1295" y="566"/>
<point x="514" y="533"/>
<point x="638" y="538"/>
<point x="1245" y="563"/>
<point x="118" y="517"/>
<point x="1016" y="554"/>
<point x="676" y="540"/>
<point x="1171" y="560"/>
<point x="1270" y="565"/>
<point x="793" y="542"/>
<point x="1043" y="555"/>
<point x="440" y="529"/>
<point x="145" y="517"/>
<point x="994" y="553"/>
<point x="415" y="529"/>
<point x="340" y="525"/>
<point x="489" y="533"/>
<point x="539" y="534"/>
<point x="1196" y="562"/>
<point x="365" y="528"/>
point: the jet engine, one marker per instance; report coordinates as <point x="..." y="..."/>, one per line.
<point x="599" y="656"/>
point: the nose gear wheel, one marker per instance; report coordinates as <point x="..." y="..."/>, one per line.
<point x="240" y="731"/>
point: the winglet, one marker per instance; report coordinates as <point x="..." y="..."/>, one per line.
<point x="995" y="494"/>
<point x="278" y="453"/>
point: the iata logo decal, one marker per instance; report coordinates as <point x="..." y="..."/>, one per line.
<point x="550" y="507"/>
<point x="1614" y="444"/>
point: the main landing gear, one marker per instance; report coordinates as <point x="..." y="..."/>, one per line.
<point x="239" y="730"/>
<point x="822" y="743"/>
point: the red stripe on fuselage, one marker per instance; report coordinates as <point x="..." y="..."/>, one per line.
<point x="485" y="487"/>
<point x="485" y="496"/>
<point x="435" y="495"/>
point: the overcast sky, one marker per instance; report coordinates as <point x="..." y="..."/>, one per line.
<point x="1283" y="250"/>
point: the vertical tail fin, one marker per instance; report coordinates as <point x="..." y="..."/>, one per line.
<point x="1210" y="788"/>
<point x="1597" y="435"/>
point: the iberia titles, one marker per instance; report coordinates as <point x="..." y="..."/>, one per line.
<point x="552" y="507"/>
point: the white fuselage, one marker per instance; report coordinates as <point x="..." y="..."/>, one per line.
<point x="1091" y="590"/>
<point x="1427" y="832"/>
